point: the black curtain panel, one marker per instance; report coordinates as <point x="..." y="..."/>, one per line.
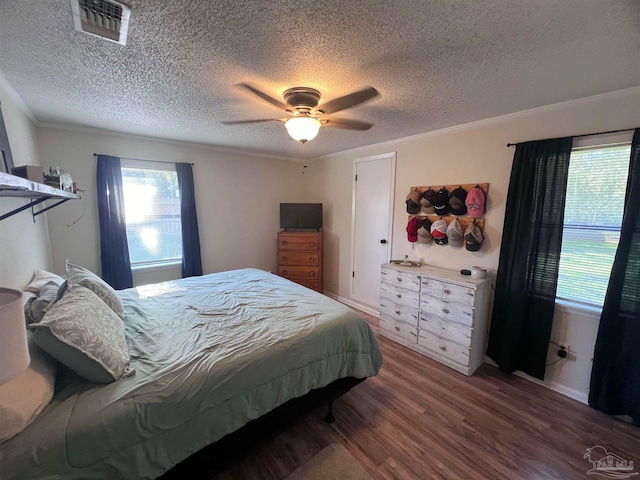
<point x="530" y="256"/>
<point x="191" y="258"/>
<point x="114" y="250"/>
<point x="615" y="375"/>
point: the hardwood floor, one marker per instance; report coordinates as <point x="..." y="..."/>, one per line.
<point x="420" y="420"/>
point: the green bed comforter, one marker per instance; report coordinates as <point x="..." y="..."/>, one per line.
<point x="211" y="354"/>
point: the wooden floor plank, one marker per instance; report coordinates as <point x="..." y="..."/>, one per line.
<point x="421" y="420"/>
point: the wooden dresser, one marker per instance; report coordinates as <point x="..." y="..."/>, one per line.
<point x="437" y="312"/>
<point x="300" y="258"/>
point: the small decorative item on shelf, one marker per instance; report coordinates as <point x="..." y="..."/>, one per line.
<point x="30" y="172"/>
<point x="58" y="178"/>
<point x="406" y="262"/>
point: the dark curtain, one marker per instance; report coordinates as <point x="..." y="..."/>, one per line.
<point x="529" y="256"/>
<point x="191" y="258"/>
<point x="114" y="250"/>
<point x="615" y="376"/>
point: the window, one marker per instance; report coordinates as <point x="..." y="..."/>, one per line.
<point x="152" y="212"/>
<point x="594" y="206"/>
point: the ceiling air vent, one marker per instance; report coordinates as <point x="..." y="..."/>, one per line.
<point x="103" y="18"/>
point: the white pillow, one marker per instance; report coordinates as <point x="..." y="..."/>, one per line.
<point x="40" y="278"/>
<point x="24" y="397"/>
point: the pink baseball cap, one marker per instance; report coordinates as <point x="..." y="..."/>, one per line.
<point x="475" y="202"/>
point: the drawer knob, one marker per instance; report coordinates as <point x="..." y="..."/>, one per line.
<point x="284" y="259"/>
<point x="447" y="291"/>
<point x="443" y="348"/>
<point x="397" y="312"/>
<point x="311" y="259"/>
<point x="313" y="274"/>
<point x="312" y="244"/>
<point x="285" y="271"/>
<point x="445" y="310"/>
<point x="399" y="279"/>
<point x="399" y="295"/>
<point x="284" y="242"/>
<point x="397" y="328"/>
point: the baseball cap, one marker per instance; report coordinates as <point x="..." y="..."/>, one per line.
<point x="412" y="201"/>
<point x="441" y="202"/>
<point x="475" y="202"/>
<point x="454" y="233"/>
<point x="426" y="201"/>
<point x="456" y="201"/>
<point x="439" y="232"/>
<point x="473" y="237"/>
<point x="412" y="229"/>
<point x="424" y="230"/>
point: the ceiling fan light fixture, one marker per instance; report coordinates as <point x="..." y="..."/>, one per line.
<point x="303" y="129"/>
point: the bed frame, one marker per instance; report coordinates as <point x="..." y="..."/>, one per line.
<point x="229" y="450"/>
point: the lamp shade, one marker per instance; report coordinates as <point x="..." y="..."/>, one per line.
<point x="14" y="353"/>
<point x="303" y="129"/>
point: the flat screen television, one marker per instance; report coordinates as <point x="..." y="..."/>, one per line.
<point x="301" y="216"/>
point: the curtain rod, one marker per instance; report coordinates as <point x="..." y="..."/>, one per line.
<point x="143" y="160"/>
<point x="588" y="135"/>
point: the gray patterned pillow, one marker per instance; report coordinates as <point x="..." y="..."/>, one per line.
<point x="84" y="334"/>
<point x="77" y="275"/>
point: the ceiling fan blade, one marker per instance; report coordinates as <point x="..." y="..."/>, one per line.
<point x="262" y="120"/>
<point x="264" y="96"/>
<point x="348" y="101"/>
<point x="346" y="124"/>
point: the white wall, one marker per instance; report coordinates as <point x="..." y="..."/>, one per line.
<point x="24" y="245"/>
<point x="237" y="197"/>
<point x="468" y="154"/>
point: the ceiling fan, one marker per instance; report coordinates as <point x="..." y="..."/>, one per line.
<point x="306" y="116"/>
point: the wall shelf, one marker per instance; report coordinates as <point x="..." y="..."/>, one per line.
<point x="13" y="186"/>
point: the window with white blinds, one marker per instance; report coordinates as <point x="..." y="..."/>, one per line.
<point x="593" y="215"/>
<point x="152" y="212"/>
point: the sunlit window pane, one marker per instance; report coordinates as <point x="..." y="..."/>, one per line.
<point x="152" y="212"/>
<point x="593" y="215"/>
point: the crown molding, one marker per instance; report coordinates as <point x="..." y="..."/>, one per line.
<point x="179" y="143"/>
<point x="627" y="92"/>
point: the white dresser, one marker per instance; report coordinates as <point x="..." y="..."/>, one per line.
<point x="437" y="312"/>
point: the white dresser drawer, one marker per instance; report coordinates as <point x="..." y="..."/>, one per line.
<point x="446" y="348"/>
<point x="399" y="312"/>
<point x="401" y="329"/>
<point x="450" y="311"/>
<point x="448" y="291"/>
<point x="400" y="295"/>
<point x="455" y="332"/>
<point x="410" y="281"/>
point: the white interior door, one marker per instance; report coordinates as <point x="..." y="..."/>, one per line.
<point x="374" y="180"/>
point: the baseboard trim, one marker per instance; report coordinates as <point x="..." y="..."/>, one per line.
<point x="555" y="386"/>
<point x="352" y="303"/>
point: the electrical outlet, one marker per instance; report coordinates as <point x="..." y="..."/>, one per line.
<point x="564" y="351"/>
<point x="564" y="346"/>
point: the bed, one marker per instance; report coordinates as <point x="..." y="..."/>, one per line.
<point x="211" y="354"/>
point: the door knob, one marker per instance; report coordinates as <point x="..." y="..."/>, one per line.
<point x="383" y="241"/>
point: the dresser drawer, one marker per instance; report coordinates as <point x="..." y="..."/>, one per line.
<point x="312" y="284"/>
<point x="451" y="311"/>
<point x="298" y="242"/>
<point x="401" y="329"/>
<point x="292" y="258"/>
<point x="400" y="295"/>
<point x="446" y="348"/>
<point x="407" y="280"/>
<point x="448" y="291"/>
<point x="298" y="271"/>
<point x="399" y="312"/>
<point x="455" y="332"/>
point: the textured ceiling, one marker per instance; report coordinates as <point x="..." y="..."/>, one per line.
<point x="436" y="63"/>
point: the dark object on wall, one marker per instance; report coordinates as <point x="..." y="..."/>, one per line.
<point x="529" y="256"/>
<point x="191" y="257"/>
<point x="301" y="216"/>
<point x="114" y="249"/>
<point x="615" y="376"/>
<point x="30" y="172"/>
